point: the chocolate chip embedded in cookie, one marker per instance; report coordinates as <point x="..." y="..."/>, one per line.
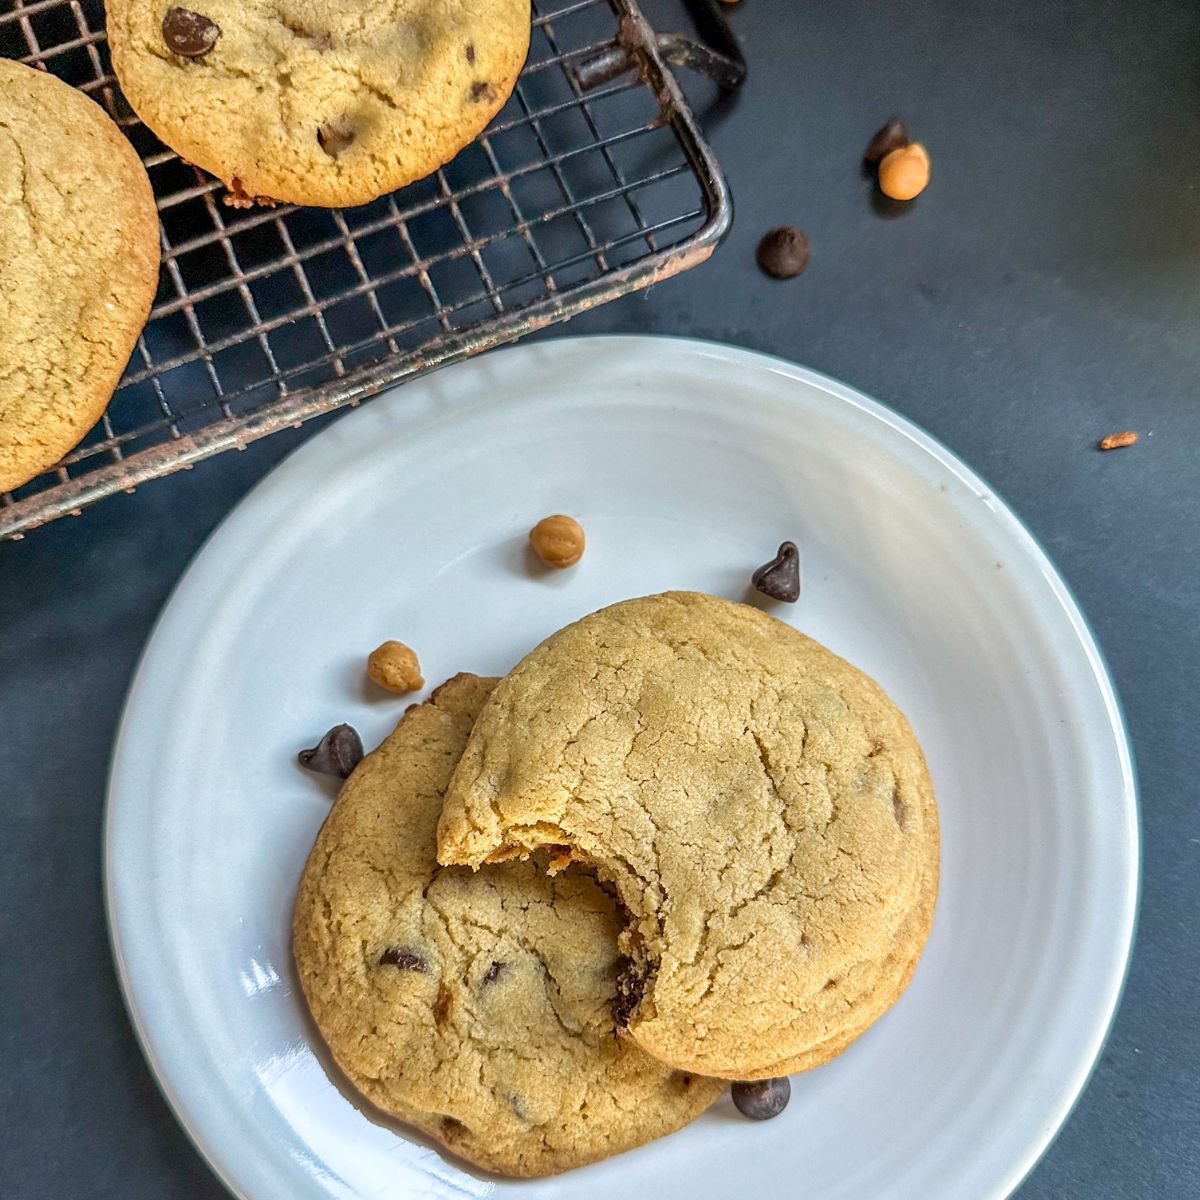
<point x="313" y="102"/>
<point x="760" y="805"/>
<point x="477" y="1007"/>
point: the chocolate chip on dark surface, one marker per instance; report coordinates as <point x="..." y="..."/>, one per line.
<point x="493" y="973"/>
<point x="335" y="136"/>
<point x="780" y="578"/>
<point x="470" y="50"/>
<point x="481" y="90"/>
<point x="403" y="958"/>
<point x="189" y="34"/>
<point x="337" y="753"/>
<point x="762" y="1099"/>
<point x="892" y="136"/>
<point x="784" y="252"/>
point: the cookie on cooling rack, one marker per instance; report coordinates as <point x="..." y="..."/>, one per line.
<point x="79" y="261"/>
<point x="311" y="102"/>
<point x="475" y="1006"/>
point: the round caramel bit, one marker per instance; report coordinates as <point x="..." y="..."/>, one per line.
<point x="904" y="173"/>
<point x="394" y="666"/>
<point x="557" y="540"/>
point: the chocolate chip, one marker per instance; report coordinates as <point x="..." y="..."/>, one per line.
<point x="404" y="959"/>
<point x="784" y="252"/>
<point x="480" y="90"/>
<point x="493" y="973"/>
<point x="762" y="1099"/>
<point x="189" y="34"/>
<point x="780" y="578"/>
<point x="453" y="1128"/>
<point x="337" y="753"/>
<point x="335" y="136"/>
<point x="631" y="983"/>
<point x="441" y="1006"/>
<point x="470" y="48"/>
<point x="892" y="136"/>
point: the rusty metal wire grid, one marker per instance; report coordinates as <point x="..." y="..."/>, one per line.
<point x="593" y="181"/>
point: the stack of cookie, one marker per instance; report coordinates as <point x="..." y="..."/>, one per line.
<point x="680" y="843"/>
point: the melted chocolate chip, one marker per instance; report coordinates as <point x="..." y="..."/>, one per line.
<point x="762" y="1099"/>
<point x="452" y="1128"/>
<point x="337" y="753"/>
<point x="335" y="136"/>
<point x="481" y="90"/>
<point x="784" y="252"/>
<point x="493" y="973"/>
<point x="892" y="136"/>
<point x="470" y="50"/>
<point x="631" y="983"/>
<point x="441" y="1006"/>
<point x="189" y="34"/>
<point x="780" y="578"/>
<point x="403" y="958"/>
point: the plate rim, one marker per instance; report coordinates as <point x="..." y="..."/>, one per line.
<point x="609" y="344"/>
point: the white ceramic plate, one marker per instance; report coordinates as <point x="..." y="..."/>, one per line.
<point x="687" y="463"/>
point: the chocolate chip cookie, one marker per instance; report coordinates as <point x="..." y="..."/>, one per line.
<point x="312" y="102"/>
<point x="476" y="1006"/>
<point x="78" y="266"/>
<point x="761" y="806"/>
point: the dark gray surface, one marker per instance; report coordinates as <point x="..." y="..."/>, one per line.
<point x="1043" y="292"/>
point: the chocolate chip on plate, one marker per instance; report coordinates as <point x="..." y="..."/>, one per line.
<point x="403" y="958"/>
<point x="762" y="1099"/>
<point x="337" y="753"/>
<point x="892" y="136"/>
<point x="189" y="34"/>
<point x="780" y="578"/>
<point x="784" y="252"/>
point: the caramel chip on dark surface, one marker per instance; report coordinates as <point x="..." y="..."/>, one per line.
<point x="337" y="753"/>
<point x="780" y="578"/>
<point x="892" y="136"/>
<point x="762" y="1099"/>
<point x="403" y="958"/>
<point x="784" y="252"/>
<point x="189" y="34"/>
<point x="335" y="136"/>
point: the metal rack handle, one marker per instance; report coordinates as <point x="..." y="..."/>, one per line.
<point x="717" y="54"/>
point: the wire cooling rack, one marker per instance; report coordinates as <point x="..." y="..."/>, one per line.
<point x="593" y="181"/>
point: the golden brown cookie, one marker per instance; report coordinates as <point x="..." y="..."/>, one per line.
<point x="761" y="806"/>
<point x="79" y="266"/>
<point x="475" y="1006"/>
<point x="314" y="102"/>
